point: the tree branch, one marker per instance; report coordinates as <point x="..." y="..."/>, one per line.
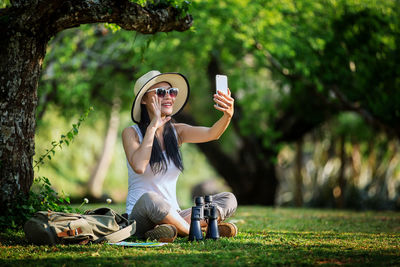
<point x="48" y="17"/>
<point x="368" y="117"/>
<point x="128" y="15"/>
<point x="275" y="63"/>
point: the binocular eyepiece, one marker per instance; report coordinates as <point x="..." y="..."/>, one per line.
<point x="204" y="210"/>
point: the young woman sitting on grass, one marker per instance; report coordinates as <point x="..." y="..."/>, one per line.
<point x="154" y="160"/>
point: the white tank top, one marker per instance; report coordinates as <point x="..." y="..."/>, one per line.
<point x="162" y="183"/>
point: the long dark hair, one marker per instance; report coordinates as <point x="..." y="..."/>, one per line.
<point x="158" y="162"/>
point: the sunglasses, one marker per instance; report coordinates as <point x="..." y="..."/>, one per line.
<point x="161" y="92"/>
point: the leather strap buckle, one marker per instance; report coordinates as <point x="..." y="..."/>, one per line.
<point x="70" y="232"/>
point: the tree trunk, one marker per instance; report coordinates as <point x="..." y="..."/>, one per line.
<point x="339" y="190"/>
<point x="22" y="58"/>
<point x="252" y="176"/>
<point x="298" y="194"/>
<point x="25" y="29"/>
<point x="356" y="164"/>
<point x="95" y="185"/>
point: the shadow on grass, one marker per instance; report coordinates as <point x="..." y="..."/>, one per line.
<point x="12" y="238"/>
<point x="223" y="252"/>
<point x="270" y="255"/>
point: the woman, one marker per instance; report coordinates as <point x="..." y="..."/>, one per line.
<point x="154" y="160"/>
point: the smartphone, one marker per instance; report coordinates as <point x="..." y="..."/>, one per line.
<point x="221" y="83"/>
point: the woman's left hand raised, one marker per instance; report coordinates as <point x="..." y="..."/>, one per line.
<point x="225" y="103"/>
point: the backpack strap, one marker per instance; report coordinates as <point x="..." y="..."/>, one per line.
<point x="70" y="232"/>
<point x="120" y="235"/>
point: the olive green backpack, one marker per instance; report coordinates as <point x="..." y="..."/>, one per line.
<point x="99" y="225"/>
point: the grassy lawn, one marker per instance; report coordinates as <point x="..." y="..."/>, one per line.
<point x="267" y="236"/>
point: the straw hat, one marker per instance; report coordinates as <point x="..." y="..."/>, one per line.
<point x="153" y="77"/>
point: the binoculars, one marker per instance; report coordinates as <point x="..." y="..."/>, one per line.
<point x="204" y="209"/>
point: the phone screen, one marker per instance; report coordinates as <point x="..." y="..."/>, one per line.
<point x="222" y="83"/>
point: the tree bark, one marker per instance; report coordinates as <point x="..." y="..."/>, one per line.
<point x="25" y="29"/>
<point x="23" y="56"/>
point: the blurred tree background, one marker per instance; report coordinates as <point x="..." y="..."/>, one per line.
<point x="317" y="89"/>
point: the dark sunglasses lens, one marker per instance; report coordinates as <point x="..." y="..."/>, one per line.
<point x="161" y="92"/>
<point x="173" y="92"/>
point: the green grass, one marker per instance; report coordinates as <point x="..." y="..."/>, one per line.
<point x="267" y="236"/>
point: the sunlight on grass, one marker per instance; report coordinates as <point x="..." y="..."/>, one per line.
<point x="267" y="236"/>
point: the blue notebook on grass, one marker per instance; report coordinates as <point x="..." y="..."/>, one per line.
<point x="138" y="244"/>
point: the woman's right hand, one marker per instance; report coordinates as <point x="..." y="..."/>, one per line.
<point x="158" y="120"/>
